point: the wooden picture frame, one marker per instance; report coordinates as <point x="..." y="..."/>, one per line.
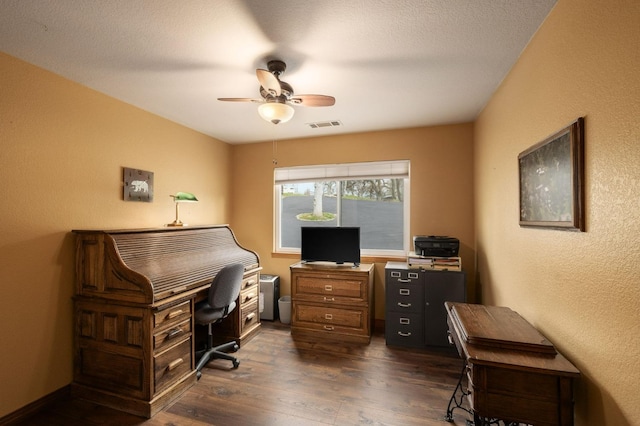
<point x="552" y="181"/>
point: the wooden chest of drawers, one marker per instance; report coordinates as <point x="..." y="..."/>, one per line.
<point x="332" y="302"/>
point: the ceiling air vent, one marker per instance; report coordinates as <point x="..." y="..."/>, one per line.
<point x="321" y="124"/>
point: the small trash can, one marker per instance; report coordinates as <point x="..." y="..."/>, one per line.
<point x="284" y="306"/>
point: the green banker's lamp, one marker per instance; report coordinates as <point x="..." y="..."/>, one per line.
<point x="181" y="197"/>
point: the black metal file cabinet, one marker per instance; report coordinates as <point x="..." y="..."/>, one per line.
<point x="404" y="307"/>
<point x="415" y="315"/>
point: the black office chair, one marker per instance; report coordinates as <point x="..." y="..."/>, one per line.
<point x="221" y="300"/>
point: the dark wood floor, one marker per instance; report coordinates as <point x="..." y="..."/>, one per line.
<point x="285" y="382"/>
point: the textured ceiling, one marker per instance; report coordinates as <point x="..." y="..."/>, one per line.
<point x="389" y="63"/>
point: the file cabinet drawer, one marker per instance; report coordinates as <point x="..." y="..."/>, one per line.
<point x="405" y="297"/>
<point x="172" y="364"/>
<point x="172" y="315"/>
<point x="404" y="329"/>
<point x="249" y="315"/>
<point x="249" y="295"/>
<point x="331" y="318"/>
<point x="329" y="288"/>
<point x="172" y="334"/>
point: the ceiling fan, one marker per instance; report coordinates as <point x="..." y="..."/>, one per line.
<point x="277" y="95"/>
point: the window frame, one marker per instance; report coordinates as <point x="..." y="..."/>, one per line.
<point x="393" y="169"/>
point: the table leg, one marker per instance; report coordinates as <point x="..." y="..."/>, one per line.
<point x="457" y="401"/>
<point x="458" y="396"/>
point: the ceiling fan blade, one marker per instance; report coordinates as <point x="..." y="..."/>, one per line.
<point x="269" y="82"/>
<point x="313" y="100"/>
<point x="241" y="100"/>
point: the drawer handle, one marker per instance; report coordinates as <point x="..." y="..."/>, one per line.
<point x="328" y="316"/>
<point x="400" y="280"/>
<point x="405" y="292"/>
<point x="249" y="283"/>
<point x="328" y="287"/>
<point x="178" y="290"/>
<point x="174" y="314"/>
<point x="405" y="321"/>
<point x="250" y="316"/>
<point x="449" y="338"/>
<point x="250" y="296"/>
<point x="404" y="334"/>
<point x="404" y="305"/>
<point x="174" y="332"/>
<point x="329" y="299"/>
<point x="174" y="364"/>
<point x="328" y="327"/>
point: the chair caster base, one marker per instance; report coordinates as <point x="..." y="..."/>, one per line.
<point x="236" y="364"/>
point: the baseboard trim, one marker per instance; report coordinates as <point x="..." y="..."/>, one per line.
<point x="35" y="407"/>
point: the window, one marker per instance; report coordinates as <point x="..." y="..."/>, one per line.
<point x="373" y="196"/>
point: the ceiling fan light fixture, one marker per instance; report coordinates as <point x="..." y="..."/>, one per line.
<point x="276" y="112"/>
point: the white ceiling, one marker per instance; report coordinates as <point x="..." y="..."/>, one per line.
<point x="389" y="63"/>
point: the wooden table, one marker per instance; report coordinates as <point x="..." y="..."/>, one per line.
<point x="513" y="373"/>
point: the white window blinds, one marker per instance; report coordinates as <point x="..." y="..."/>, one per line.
<point x="348" y="171"/>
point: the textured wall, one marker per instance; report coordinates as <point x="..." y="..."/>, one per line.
<point x="441" y="187"/>
<point x="63" y="147"/>
<point x="580" y="289"/>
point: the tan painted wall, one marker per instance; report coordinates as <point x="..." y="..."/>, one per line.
<point x="62" y="147"/>
<point x="580" y="289"/>
<point x="441" y="187"/>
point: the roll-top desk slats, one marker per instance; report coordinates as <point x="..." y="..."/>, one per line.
<point x="134" y="304"/>
<point x="150" y="265"/>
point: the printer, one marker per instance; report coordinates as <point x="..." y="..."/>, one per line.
<point x="435" y="246"/>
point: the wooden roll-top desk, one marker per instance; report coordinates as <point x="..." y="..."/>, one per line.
<point x="134" y="302"/>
